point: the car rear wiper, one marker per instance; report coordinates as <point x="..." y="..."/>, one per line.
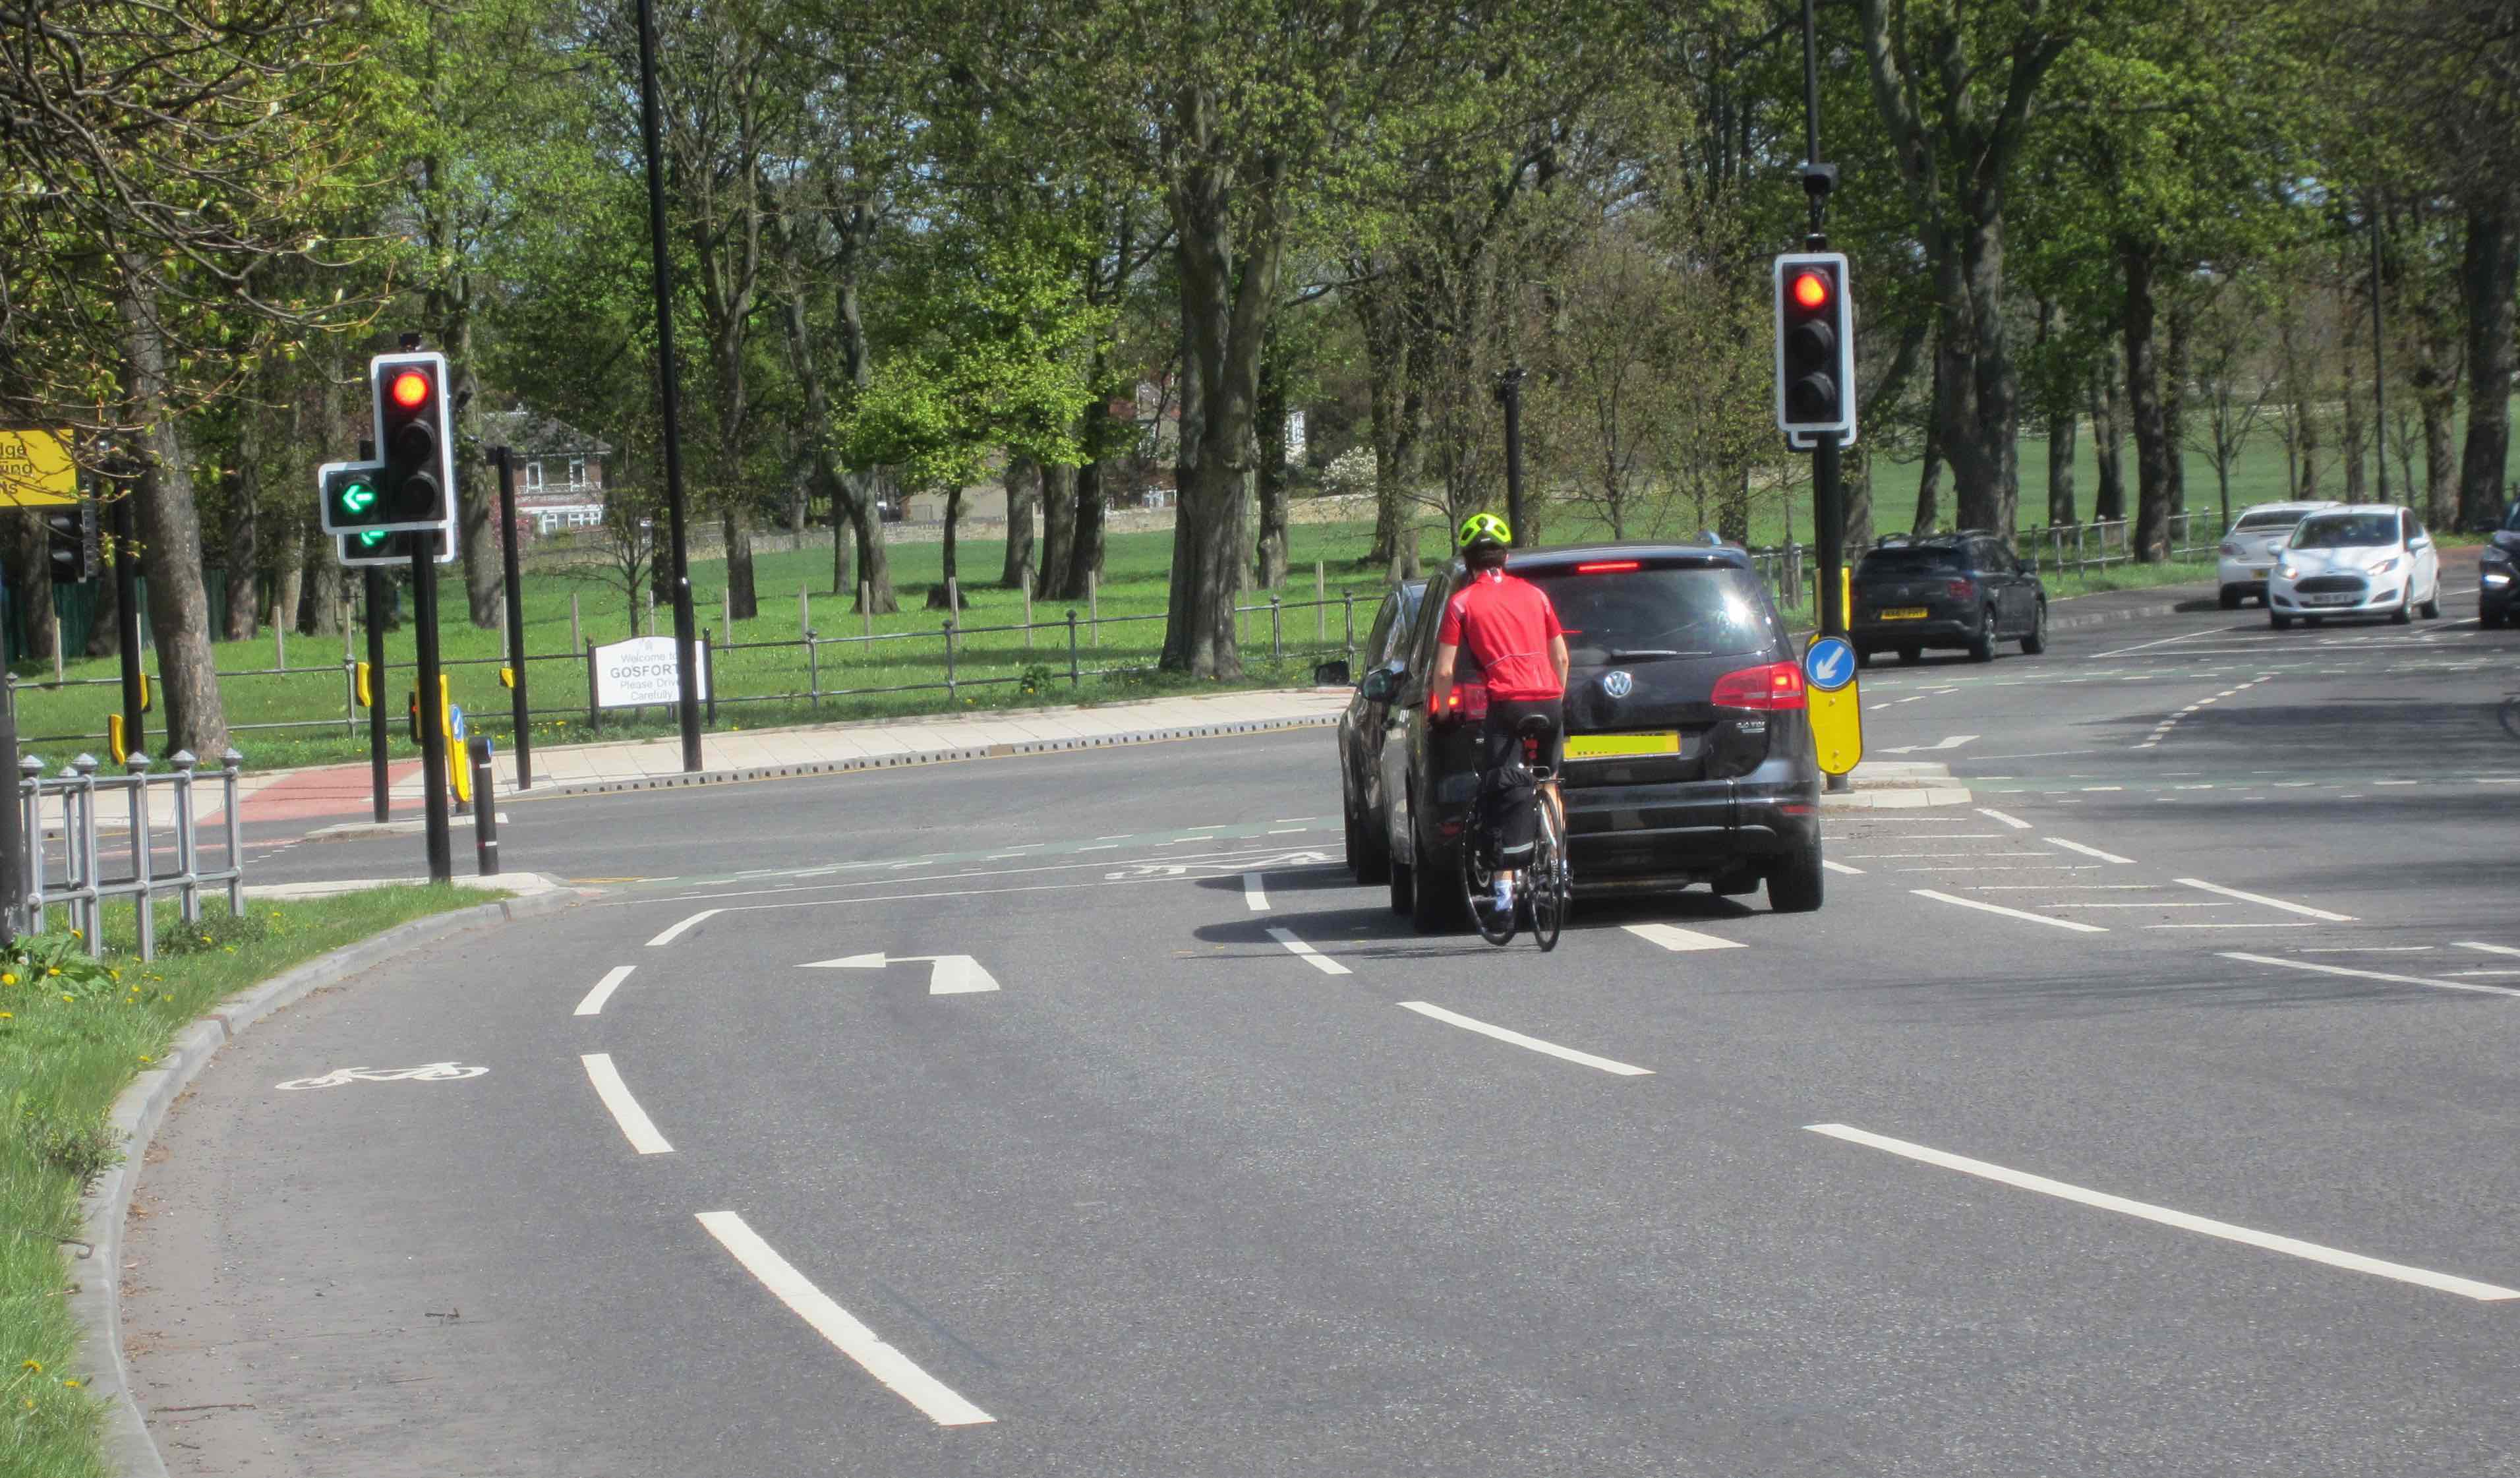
<point x="1654" y="652"/>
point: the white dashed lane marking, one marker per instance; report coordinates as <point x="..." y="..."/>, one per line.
<point x="2355" y="1262"/>
<point x="2020" y="913"/>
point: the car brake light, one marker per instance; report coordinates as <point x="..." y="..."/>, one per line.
<point x="2231" y="546"/>
<point x="1465" y="701"/>
<point x="1607" y="566"/>
<point x="1962" y="590"/>
<point x="1778" y="685"/>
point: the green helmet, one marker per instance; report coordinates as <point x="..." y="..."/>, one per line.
<point x="1485" y="528"/>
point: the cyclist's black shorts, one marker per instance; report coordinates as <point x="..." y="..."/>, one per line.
<point x="1504" y="795"/>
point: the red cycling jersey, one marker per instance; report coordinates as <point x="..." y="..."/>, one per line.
<point x="1506" y="624"/>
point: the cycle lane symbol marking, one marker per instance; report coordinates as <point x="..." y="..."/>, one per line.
<point x="427" y="1072"/>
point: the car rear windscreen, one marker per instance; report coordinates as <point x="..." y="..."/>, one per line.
<point x="2346" y="531"/>
<point x="2252" y="523"/>
<point x="1637" y="613"/>
<point x="1894" y="563"/>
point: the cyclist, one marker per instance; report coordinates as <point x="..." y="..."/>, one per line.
<point x="1511" y="629"/>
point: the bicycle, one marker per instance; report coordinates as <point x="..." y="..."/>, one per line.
<point x="1546" y="885"/>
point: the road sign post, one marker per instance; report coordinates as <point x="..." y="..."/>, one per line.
<point x="433" y="717"/>
<point x="1835" y="704"/>
<point x="127" y="625"/>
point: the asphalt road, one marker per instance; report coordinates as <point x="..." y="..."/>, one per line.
<point x="2151" y="1114"/>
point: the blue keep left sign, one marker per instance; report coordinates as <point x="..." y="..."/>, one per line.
<point x="1829" y="663"/>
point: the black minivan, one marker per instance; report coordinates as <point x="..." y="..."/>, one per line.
<point x="1689" y="749"/>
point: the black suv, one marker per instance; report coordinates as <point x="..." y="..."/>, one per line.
<point x="1689" y="749"/>
<point x="1963" y="590"/>
<point x="2498" y="574"/>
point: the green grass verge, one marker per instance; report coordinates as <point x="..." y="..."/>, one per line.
<point x="69" y="1045"/>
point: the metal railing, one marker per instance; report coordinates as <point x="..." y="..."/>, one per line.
<point x="72" y="874"/>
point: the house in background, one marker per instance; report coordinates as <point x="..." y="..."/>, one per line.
<point x="560" y="471"/>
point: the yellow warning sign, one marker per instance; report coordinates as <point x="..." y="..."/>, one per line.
<point x="35" y="469"/>
<point x="1836" y="705"/>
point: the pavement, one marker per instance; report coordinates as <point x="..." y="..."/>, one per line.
<point x="2146" y="1111"/>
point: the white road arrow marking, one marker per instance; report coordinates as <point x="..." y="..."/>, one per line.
<point x="947" y="974"/>
<point x="1954" y="742"/>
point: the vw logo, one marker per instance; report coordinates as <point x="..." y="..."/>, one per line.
<point x="1618" y="684"/>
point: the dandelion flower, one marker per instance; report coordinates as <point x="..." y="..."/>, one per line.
<point x="72" y="1384"/>
<point x="8" y="977"/>
<point x="7" y="1016"/>
<point x="51" y="970"/>
<point x="35" y="1366"/>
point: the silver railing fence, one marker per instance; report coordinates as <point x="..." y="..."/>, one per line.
<point x="74" y="862"/>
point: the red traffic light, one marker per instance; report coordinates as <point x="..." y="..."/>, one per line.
<point x="1811" y="291"/>
<point x="409" y="390"/>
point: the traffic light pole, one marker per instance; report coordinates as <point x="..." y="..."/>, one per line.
<point x="1828" y="488"/>
<point x="433" y="710"/>
<point x="686" y="673"/>
<point x="126" y="621"/>
<point x="519" y="709"/>
<point x="378" y="745"/>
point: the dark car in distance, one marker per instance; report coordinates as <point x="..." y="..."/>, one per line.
<point x="1965" y="590"/>
<point x="1687" y="753"/>
<point x="2498" y="574"/>
<point x="1366" y="722"/>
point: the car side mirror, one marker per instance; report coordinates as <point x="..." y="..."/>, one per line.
<point x="2420" y="541"/>
<point x="2025" y="567"/>
<point x="1380" y="686"/>
<point x="1331" y="674"/>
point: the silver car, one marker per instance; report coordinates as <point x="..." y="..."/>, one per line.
<point x="2249" y="550"/>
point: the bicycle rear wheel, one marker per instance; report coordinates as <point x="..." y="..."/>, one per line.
<point x="1548" y="884"/>
<point x="1478" y="886"/>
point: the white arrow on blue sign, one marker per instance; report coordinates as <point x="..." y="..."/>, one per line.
<point x="1829" y="664"/>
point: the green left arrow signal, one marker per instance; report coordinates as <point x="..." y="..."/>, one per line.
<point x="357" y="498"/>
<point x="372" y="537"/>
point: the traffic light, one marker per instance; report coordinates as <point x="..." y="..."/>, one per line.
<point x="1815" y="347"/>
<point x="71" y="542"/>
<point x="411" y="484"/>
<point x="389" y="550"/>
<point x="415" y="439"/>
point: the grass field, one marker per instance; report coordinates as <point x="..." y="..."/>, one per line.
<point x="755" y="677"/>
<point x="69" y="1045"/>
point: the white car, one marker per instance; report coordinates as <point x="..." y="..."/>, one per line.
<point x="2250" y="549"/>
<point x="2361" y="560"/>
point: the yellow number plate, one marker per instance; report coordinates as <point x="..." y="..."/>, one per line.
<point x="1621" y="746"/>
<point x="1904" y="613"/>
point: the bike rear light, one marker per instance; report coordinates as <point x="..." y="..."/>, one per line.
<point x="1775" y="686"/>
<point x="1607" y="567"/>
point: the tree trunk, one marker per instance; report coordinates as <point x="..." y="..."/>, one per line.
<point x="315" y="547"/>
<point x="1229" y="286"/>
<point x="2489" y="274"/>
<point x="2108" y="445"/>
<point x="105" y="636"/>
<point x="2356" y="489"/>
<point x="941" y="596"/>
<point x="31" y="579"/>
<point x="1086" y="538"/>
<point x="1024" y="489"/>
<point x="1059" y="532"/>
<point x="2151" y="541"/>
<point x="1985" y="453"/>
<point x="842" y="536"/>
<point x="736" y="528"/>
<point x="170" y="527"/>
<point x="2174" y="399"/>
<point x="875" y="565"/>
<point x="288" y="584"/>
<point x="1929" y="471"/>
<point x="1394" y="406"/>
<point x="2441" y="476"/>
<point x="1269" y="563"/>
<point x="245" y="612"/>
<point x="2062" y="426"/>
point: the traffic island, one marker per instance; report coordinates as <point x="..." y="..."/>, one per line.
<point x="1897" y="785"/>
<point x="92" y="1052"/>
